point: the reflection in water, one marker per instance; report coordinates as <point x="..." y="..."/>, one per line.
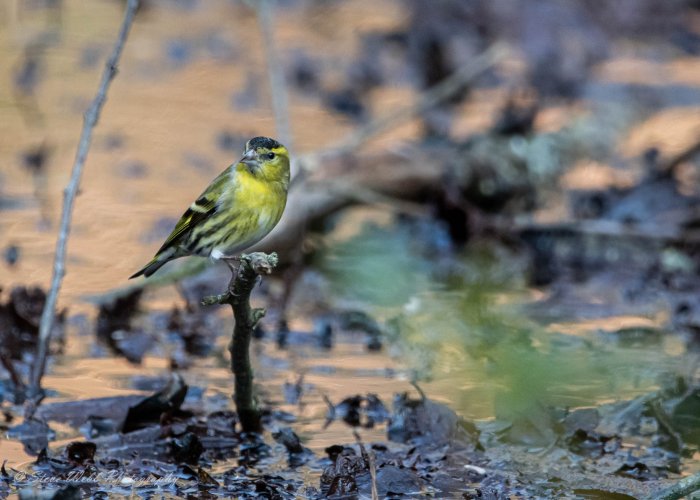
<point x="470" y="338"/>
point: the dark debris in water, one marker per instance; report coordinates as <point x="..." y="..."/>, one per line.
<point x="639" y="241"/>
<point x="81" y="452"/>
<point x="162" y="405"/>
<point x="399" y="471"/>
<point x="196" y="327"/>
<point x="34" y="435"/>
<point x="358" y="411"/>
<point x="35" y="158"/>
<point x="114" y="326"/>
<point x="12" y="254"/>
<point x="20" y="317"/>
<point x="99" y="414"/>
<point x="625" y="447"/>
<point x="421" y="420"/>
<point x="165" y="450"/>
<point x="297" y="453"/>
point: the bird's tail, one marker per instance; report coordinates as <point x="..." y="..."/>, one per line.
<point x="158" y="261"/>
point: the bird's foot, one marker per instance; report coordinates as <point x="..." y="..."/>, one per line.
<point x="234" y="264"/>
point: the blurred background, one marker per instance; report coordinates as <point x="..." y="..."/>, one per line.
<point x="526" y="240"/>
<point x="190" y="92"/>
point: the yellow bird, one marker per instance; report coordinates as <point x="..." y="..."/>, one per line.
<point x="238" y="209"/>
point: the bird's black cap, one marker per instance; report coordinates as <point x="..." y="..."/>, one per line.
<point x="262" y="142"/>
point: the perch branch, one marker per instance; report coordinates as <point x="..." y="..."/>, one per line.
<point x="89" y="122"/>
<point x="245" y="317"/>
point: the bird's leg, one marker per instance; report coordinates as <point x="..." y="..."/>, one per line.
<point x="231" y="261"/>
<point x="234" y="263"/>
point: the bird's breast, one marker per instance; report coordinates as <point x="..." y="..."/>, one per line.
<point x="252" y="210"/>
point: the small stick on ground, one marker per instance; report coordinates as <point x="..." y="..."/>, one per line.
<point x="90" y="120"/>
<point x="369" y="460"/>
<point x="238" y="297"/>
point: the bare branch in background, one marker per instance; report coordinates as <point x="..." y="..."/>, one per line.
<point x="89" y="122"/>
<point x="429" y="99"/>
<point x="275" y="72"/>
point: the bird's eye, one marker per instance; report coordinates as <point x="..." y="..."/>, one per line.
<point x="270" y="156"/>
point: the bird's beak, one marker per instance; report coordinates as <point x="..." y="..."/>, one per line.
<point x="250" y="159"/>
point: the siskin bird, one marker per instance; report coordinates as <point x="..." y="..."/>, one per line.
<point x="238" y="209"/>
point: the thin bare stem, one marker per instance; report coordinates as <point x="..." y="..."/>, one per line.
<point x="278" y="87"/>
<point x="89" y="122"/>
<point x="371" y="465"/>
